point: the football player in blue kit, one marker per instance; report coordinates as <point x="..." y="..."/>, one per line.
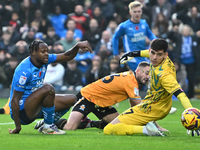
<point x="30" y="98"/>
<point x="134" y="32"/>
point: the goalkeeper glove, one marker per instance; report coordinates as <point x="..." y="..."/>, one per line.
<point x="128" y="56"/>
<point x="193" y="132"/>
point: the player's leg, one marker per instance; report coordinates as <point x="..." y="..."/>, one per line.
<point x="127" y="124"/>
<point x="63" y="103"/>
<point x="73" y="121"/>
<point x="80" y="110"/>
<point x="42" y="100"/>
<point x="105" y="115"/>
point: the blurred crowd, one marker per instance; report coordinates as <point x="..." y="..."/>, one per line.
<point x="62" y="23"/>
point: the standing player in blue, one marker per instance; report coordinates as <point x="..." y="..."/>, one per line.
<point x="134" y="32"/>
<point x="30" y="98"/>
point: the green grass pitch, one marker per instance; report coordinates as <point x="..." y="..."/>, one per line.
<point x="93" y="139"/>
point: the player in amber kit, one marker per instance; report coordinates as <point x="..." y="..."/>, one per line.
<point x="98" y="97"/>
<point x="158" y="101"/>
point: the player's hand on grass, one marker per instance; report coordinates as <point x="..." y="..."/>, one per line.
<point x="14" y="131"/>
<point x="126" y="57"/>
<point x="193" y="132"/>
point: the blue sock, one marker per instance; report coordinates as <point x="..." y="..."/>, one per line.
<point x="59" y="114"/>
<point x="48" y="113"/>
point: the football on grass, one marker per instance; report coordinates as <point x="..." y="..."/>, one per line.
<point x="190" y="118"/>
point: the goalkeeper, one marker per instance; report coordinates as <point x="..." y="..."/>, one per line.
<point x="158" y="101"/>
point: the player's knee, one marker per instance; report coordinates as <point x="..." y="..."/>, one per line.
<point x="49" y="89"/>
<point x="108" y="129"/>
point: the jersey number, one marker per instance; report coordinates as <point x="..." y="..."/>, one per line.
<point x="110" y="79"/>
<point x="129" y="112"/>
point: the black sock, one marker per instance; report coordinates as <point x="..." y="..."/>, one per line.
<point x="61" y="123"/>
<point x="2" y="111"/>
<point x="98" y="124"/>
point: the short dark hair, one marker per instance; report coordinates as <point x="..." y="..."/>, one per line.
<point x="159" y="44"/>
<point x="143" y="64"/>
<point x="34" y="46"/>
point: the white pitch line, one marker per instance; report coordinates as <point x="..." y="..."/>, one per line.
<point x="10" y="123"/>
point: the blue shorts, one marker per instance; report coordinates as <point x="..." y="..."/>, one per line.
<point x="24" y="119"/>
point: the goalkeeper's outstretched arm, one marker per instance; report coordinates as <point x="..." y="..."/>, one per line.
<point x="128" y="56"/>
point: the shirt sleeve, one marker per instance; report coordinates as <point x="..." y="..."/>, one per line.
<point x="52" y="58"/>
<point x="170" y="84"/>
<point x="149" y="34"/>
<point x="115" y="40"/>
<point x="20" y="80"/>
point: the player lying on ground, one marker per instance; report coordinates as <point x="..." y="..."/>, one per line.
<point x="158" y="101"/>
<point x="30" y="99"/>
<point x="98" y="97"/>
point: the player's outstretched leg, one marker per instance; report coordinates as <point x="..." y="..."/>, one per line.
<point x="152" y="130"/>
<point x="63" y="103"/>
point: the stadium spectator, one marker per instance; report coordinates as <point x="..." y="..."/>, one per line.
<point x="3" y="58"/>
<point x="19" y="50"/>
<point x="8" y="70"/>
<point x="7" y="7"/>
<point x="54" y="75"/>
<point x="161" y="23"/>
<point x="36" y="98"/>
<point x="93" y="35"/>
<point x="102" y="22"/>
<point x="106" y="7"/>
<point x="83" y="60"/>
<point x="190" y="17"/>
<point x="29" y="36"/>
<point x="26" y="12"/>
<point x="43" y="23"/>
<point x="67" y="6"/>
<point x="5" y="42"/>
<point x="134" y="32"/>
<point x="71" y="25"/>
<point x="181" y="76"/>
<point x="112" y="26"/>
<point x="51" y="36"/>
<point x="69" y="40"/>
<point x="96" y="71"/>
<point x="81" y="18"/>
<point x="189" y="56"/>
<point x="105" y="54"/>
<point x="15" y="21"/>
<point x="114" y="67"/>
<point x="87" y="7"/>
<point x="105" y="40"/>
<point x="72" y="77"/>
<point x="121" y="10"/>
<point x="162" y="6"/>
<point x="15" y="36"/>
<point x="58" y="20"/>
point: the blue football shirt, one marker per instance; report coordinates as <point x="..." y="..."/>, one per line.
<point x="27" y="78"/>
<point x="134" y="35"/>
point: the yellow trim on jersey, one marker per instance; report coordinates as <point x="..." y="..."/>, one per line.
<point x="144" y="53"/>
<point x="184" y="100"/>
